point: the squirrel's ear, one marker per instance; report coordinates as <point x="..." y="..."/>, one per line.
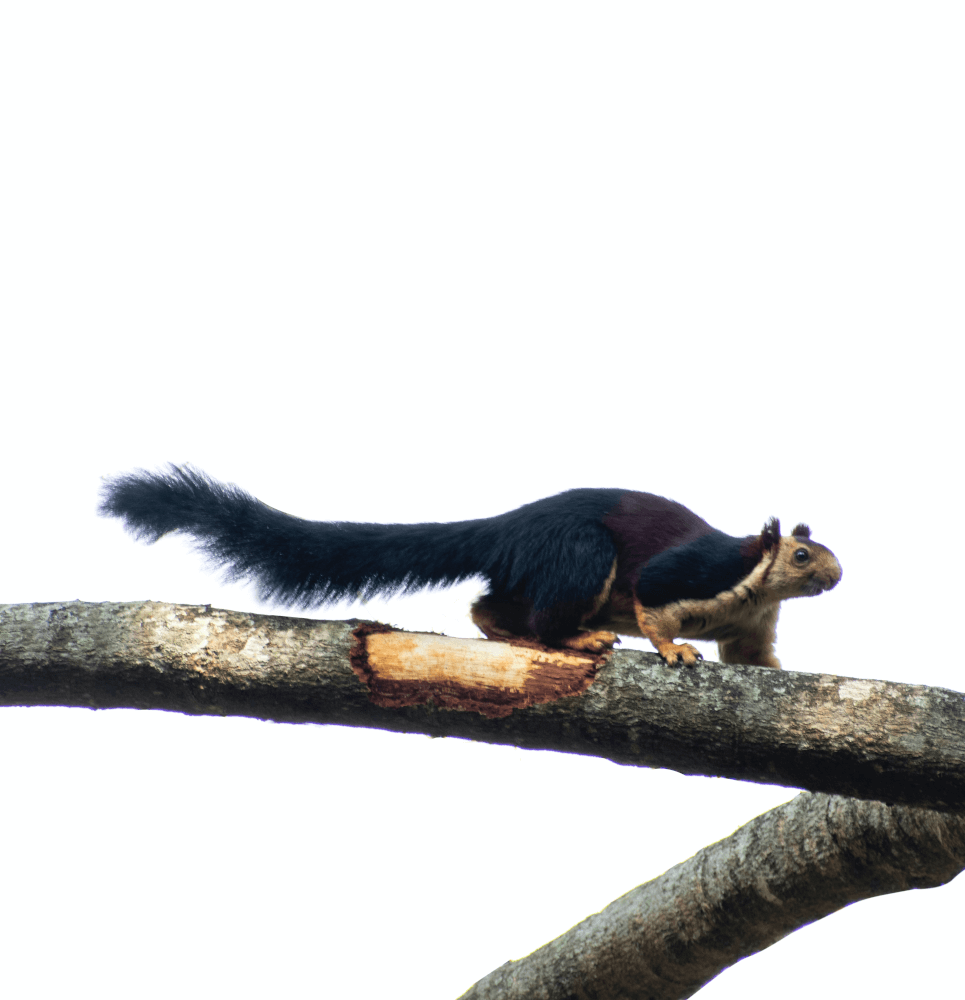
<point x="771" y="535"/>
<point x="801" y="531"/>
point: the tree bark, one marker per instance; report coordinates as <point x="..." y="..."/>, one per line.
<point x="791" y="866"/>
<point x="795" y="864"/>
<point x="897" y="743"/>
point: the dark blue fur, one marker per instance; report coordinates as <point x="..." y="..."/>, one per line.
<point x="698" y="569"/>
<point x="555" y="552"/>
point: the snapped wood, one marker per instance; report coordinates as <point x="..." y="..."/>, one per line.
<point x="491" y="678"/>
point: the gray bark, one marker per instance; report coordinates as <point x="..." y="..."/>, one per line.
<point x="789" y="867"/>
<point x="897" y="743"/>
<point x="869" y="739"/>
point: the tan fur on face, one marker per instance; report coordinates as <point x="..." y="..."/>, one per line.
<point x="788" y="576"/>
<point x="743" y="619"/>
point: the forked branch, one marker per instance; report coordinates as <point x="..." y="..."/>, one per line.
<point x="872" y="740"/>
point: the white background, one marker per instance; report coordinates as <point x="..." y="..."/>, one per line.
<point x="429" y="261"/>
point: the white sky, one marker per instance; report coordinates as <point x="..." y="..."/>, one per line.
<point x="430" y="261"/>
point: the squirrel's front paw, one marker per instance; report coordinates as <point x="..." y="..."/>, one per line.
<point x="674" y="653"/>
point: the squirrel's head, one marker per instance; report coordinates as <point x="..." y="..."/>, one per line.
<point x="794" y="565"/>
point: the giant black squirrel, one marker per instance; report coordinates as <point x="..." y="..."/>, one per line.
<point x="567" y="571"/>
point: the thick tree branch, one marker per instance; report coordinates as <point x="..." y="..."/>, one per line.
<point x="871" y="739"/>
<point x="665" y="939"/>
<point x="789" y="867"/>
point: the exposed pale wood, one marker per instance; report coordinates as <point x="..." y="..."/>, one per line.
<point x="871" y="739"/>
<point x="789" y="867"/>
<point x="491" y="678"/>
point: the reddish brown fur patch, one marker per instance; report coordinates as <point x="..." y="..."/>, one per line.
<point x="491" y="678"/>
<point x="642" y="525"/>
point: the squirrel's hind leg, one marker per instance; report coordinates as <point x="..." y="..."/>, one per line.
<point x="499" y="617"/>
<point x="600" y="641"/>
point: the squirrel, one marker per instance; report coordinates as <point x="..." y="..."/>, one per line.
<point x="569" y="571"/>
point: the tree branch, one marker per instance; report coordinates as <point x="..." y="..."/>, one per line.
<point x="793" y="865"/>
<point x="898" y="743"/>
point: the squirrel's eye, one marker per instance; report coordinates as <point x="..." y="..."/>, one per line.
<point x="801" y="556"/>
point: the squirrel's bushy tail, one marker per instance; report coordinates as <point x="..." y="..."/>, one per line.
<point x="292" y="560"/>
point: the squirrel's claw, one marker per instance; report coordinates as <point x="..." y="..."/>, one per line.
<point x="592" y="642"/>
<point x="674" y="653"/>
